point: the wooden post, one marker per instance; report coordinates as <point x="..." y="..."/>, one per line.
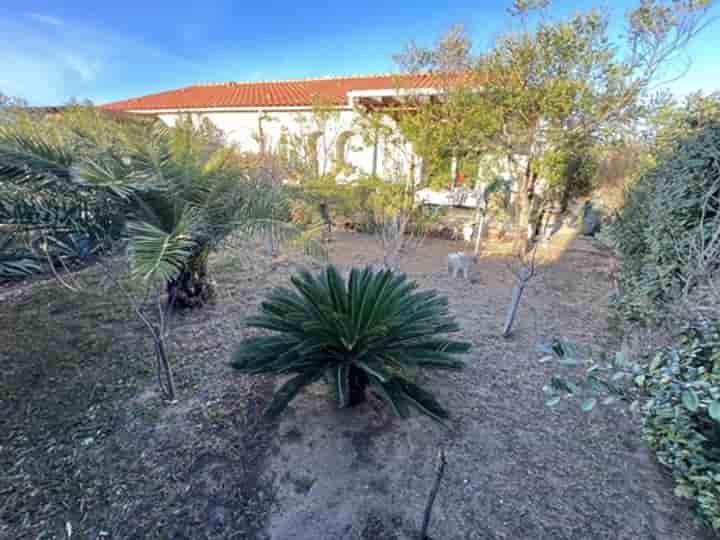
<point x="453" y="169"/>
<point x="481" y="210"/>
<point x="375" y="151"/>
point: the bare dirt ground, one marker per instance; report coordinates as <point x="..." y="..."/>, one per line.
<point x="86" y="445"/>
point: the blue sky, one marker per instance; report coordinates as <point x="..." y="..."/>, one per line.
<point x="53" y="50"/>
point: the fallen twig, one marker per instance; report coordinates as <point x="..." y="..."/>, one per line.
<point x="442" y="461"/>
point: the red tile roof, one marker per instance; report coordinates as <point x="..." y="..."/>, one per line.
<point x="268" y="93"/>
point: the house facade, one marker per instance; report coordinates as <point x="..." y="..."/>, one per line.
<point x="262" y="116"/>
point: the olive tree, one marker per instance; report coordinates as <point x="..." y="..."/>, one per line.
<point x="547" y="80"/>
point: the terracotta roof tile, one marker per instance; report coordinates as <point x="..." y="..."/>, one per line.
<point x="268" y="93"/>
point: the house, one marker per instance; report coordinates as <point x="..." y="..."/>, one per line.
<point x="260" y="116"/>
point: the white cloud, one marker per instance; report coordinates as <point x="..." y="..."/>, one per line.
<point x="49" y="64"/>
<point x="87" y="68"/>
<point x="46" y="19"/>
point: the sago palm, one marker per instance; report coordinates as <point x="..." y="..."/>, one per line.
<point x="371" y="332"/>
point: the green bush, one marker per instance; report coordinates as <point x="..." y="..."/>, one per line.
<point x="15" y="262"/>
<point x="667" y="237"/>
<point x="677" y="394"/>
<point x="666" y="211"/>
<point x="369" y="333"/>
<point x="682" y="417"/>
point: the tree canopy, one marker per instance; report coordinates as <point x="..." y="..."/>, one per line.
<point x="547" y="81"/>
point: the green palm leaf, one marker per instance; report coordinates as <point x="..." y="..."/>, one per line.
<point x="155" y="252"/>
<point x="28" y="157"/>
<point x="288" y="391"/>
<point x="367" y="332"/>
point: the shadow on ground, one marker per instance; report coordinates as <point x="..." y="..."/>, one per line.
<point x="85" y="440"/>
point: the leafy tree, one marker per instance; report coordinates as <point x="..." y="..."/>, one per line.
<point x="569" y="171"/>
<point x="555" y="80"/>
<point x="568" y="79"/>
<point x="669" y="120"/>
<point x="369" y="333"/>
<point x="451" y="131"/>
<point x="313" y="162"/>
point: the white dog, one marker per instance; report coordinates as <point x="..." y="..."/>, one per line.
<point x="460" y="263"/>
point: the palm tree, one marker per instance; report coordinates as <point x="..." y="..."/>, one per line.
<point x="177" y="194"/>
<point x="198" y="196"/>
<point x="52" y="186"/>
<point x="170" y="195"/>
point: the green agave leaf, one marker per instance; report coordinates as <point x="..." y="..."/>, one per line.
<point x="289" y="391"/>
<point x="374" y="371"/>
<point x="423" y="400"/>
<point x="392" y="395"/>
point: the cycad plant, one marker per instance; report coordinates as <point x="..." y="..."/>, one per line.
<point x="369" y="333"/>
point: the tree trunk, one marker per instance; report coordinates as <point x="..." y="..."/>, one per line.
<point x="525" y="194"/>
<point x="522" y="280"/>
<point x="478" y="237"/>
<point x="358" y="385"/>
<point x="164" y="370"/>
<point x="522" y="222"/>
<point x="193" y="287"/>
<point x="512" y="312"/>
<point x="480" y="213"/>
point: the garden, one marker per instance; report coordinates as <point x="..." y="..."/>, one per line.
<point x="201" y="342"/>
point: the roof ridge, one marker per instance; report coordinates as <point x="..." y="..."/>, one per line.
<point x="308" y="79"/>
<point x="288" y="92"/>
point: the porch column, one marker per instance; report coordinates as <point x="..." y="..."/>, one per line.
<point x="375" y="152"/>
<point x="453" y="170"/>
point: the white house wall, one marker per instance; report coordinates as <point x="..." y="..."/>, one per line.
<point x="241" y="128"/>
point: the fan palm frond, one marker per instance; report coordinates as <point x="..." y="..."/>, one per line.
<point x="27" y="156"/>
<point x="156" y="252"/>
<point x="305" y="238"/>
<point x="14" y="261"/>
<point x="109" y="173"/>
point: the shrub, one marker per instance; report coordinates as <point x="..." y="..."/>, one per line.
<point x="677" y="393"/>
<point x="15" y="262"/>
<point x="668" y="239"/>
<point x="682" y="417"/>
<point x="369" y="333"/>
<point x="670" y="212"/>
